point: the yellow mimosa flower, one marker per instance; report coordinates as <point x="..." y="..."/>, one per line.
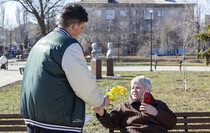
<point x="115" y="92"/>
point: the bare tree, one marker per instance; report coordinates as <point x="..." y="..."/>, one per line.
<point x="197" y="25"/>
<point x="115" y="25"/>
<point x="169" y="32"/>
<point x="2" y="16"/>
<point x="10" y="35"/>
<point x="41" y="10"/>
<point x="194" y="18"/>
<point x="123" y="25"/>
<point x="89" y="34"/>
<point x="186" y="36"/>
<point x="21" y="30"/>
<point x="51" y="21"/>
<point x="126" y="28"/>
<point x="187" y="28"/>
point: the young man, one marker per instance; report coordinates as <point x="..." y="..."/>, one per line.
<point x="135" y="116"/>
<point x="57" y="83"/>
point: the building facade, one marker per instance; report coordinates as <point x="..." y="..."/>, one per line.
<point x="133" y="25"/>
<point x="207" y="19"/>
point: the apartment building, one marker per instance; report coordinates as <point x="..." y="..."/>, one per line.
<point x="207" y="19"/>
<point x="131" y="25"/>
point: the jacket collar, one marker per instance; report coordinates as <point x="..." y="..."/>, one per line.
<point x="131" y="100"/>
<point x="61" y="30"/>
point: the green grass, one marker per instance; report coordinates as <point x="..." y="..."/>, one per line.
<point x="10" y="99"/>
<point x="167" y="86"/>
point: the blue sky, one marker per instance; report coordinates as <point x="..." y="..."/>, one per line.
<point x="10" y="20"/>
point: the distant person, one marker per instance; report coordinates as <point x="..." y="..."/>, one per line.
<point x="56" y="82"/>
<point x="135" y="116"/>
<point x="4" y="61"/>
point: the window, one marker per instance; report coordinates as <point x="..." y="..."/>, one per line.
<point x="147" y="14"/>
<point x="99" y="13"/>
<point x="110" y="14"/>
<point x="109" y="23"/>
<point x="98" y="25"/>
<point x="161" y="13"/>
<point x="122" y="13"/>
<point x="123" y="24"/>
<point x="134" y="13"/>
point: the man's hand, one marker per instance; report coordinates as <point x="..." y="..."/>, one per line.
<point x="149" y="109"/>
<point x="107" y="101"/>
<point x="98" y="110"/>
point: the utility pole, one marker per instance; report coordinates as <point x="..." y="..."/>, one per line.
<point x="151" y="11"/>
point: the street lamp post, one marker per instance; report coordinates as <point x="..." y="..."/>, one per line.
<point x="118" y="52"/>
<point x="151" y="11"/>
<point x="109" y="28"/>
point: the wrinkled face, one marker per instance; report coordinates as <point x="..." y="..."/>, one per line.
<point x="137" y="91"/>
<point x="77" y="29"/>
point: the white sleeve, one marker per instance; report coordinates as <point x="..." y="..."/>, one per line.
<point x="81" y="80"/>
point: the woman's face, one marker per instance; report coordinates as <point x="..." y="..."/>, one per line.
<point x="137" y="91"/>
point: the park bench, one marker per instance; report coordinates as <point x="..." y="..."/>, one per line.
<point x="12" y="123"/>
<point x="176" y="64"/>
<point x="21" y="70"/>
<point x="188" y="122"/>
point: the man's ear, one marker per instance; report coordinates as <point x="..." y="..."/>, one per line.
<point x="74" y="26"/>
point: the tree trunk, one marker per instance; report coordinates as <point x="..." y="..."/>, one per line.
<point x="42" y="27"/>
<point x="207" y="61"/>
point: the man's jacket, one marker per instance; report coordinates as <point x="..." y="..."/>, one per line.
<point x="56" y="85"/>
<point x="127" y="118"/>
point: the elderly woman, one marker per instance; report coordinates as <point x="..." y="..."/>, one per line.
<point x="134" y="116"/>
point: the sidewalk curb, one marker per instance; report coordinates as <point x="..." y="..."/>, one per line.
<point x="11" y="84"/>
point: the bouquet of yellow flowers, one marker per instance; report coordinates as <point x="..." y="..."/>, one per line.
<point x="115" y="92"/>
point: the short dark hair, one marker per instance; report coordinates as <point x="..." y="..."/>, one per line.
<point x="72" y="13"/>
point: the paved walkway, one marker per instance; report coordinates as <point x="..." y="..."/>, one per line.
<point x="159" y="68"/>
<point x="13" y="74"/>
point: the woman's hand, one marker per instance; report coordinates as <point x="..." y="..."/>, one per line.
<point x="149" y="109"/>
